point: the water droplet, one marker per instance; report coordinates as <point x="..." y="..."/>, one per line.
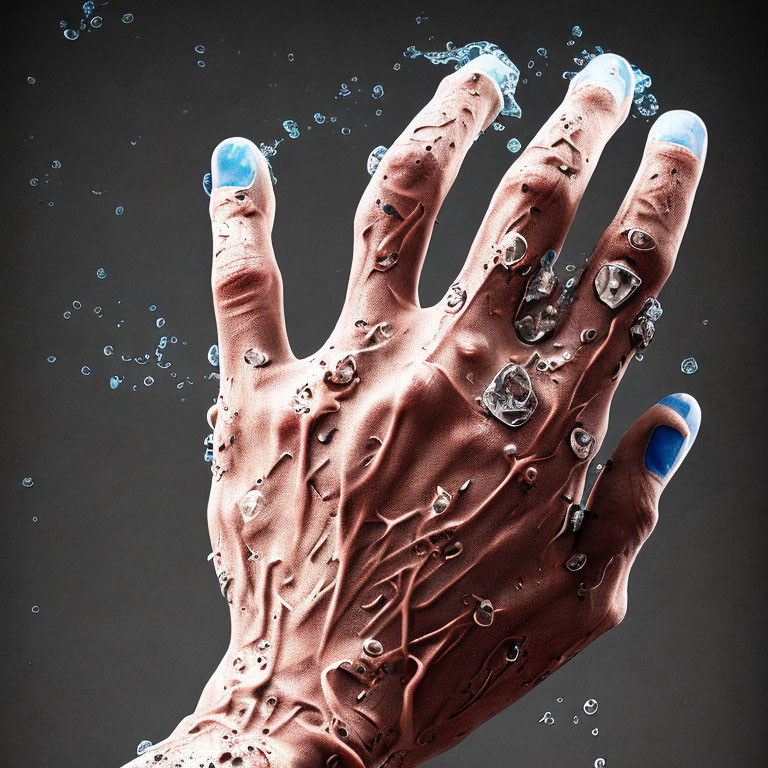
<point x="560" y="699"/>
<point x="127" y="18"/>
<point x="441" y="501"/>
<point x="114" y="382"/>
<point x="31" y="80"/>
<point x="56" y="164"/>
<point x="109" y="350"/>
<point x="689" y="365"/>
<point x="513" y="145"/>
<point x="575" y="719"/>
<point x="372" y="647"/>
<point x="344" y="371"/>
<point x="510" y="396"/>
<point x="455" y="298"/>
<point x="213" y="355"/>
<point x="85" y="370"/>
<point x="35" y="609"/>
<point x="119" y="211"/>
<point x="590" y="706"/>
<point x="101" y="273"/>
<point x="160" y="322"/>
<point x="582" y="443"/>
<point x="71" y="34"/>
<point x="576" y="31"/>
<point x="615" y="283"/>
<point x="541" y="51"/>
<point x="396" y="67"/>
<point x="513" y="248"/>
<point x="319" y="118"/>
<point x="292" y="128"/>
<point x="640" y="240"/>
<point x="375" y="158"/>
<point x="600" y="762"/>
<point x="483" y="615"/>
<point x="378" y="91"/>
<point x="148" y="381"/>
<point x="27" y="482"/>
<point x="251" y="504"/>
<point x="34" y="182"/>
<point x="51" y="358"/>
<point x="576" y="563"/>
<point x="67" y="315"/>
<point x="201" y="63"/>
<point x="143" y="747"/>
<point x="200" y="49"/>
<point x="595" y="731"/>
<point x="345" y="131"/>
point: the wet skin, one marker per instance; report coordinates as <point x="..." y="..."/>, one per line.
<point x="400" y="564"/>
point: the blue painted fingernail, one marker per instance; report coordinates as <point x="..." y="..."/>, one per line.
<point x="681" y="127"/>
<point x="503" y="72"/>
<point x="234" y="163"/>
<point x="608" y="71"/>
<point x="667" y="447"/>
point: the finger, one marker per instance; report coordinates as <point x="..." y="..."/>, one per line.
<point x="637" y="252"/>
<point x="623" y="506"/>
<point x="535" y="203"/>
<point x="396" y="214"/>
<point x="246" y="282"/>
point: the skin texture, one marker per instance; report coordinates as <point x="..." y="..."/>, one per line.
<point x="364" y="526"/>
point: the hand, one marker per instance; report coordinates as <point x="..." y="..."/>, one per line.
<point x="396" y="521"/>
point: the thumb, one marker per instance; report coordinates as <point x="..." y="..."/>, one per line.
<point x="623" y="506"/>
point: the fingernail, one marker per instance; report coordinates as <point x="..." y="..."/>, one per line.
<point x="234" y="163"/>
<point x="668" y="447"/>
<point x="683" y="128"/>
<point x="503" y="72"/>
<point x="608" y="71"/>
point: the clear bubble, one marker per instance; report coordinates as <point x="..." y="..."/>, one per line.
<point x="379" y="112"/>
<point x="119" y="211"/>
<point x="291" y="57"/>
<point x="27" y="482"/>
<point x="595" y="731"/>
<point x="213" y="355"/>
<point x="160" y="322"/>
<point x="101" y="273"/>
<point x="345" y="131"/>
<point x="600" y="762"/>
<point x="200" y="63"/>
<point x="127" y="18"/>
<point x="152" y="307"/>
<point x="67" y="315"/>
<point x="109" y="350"/>
<point x="77" y="304"/>
<point x="378" y="91"/>
<point x="590" y="706"/>
<point x="396" y="67"/>
<point x="200" y="48"/>
<point x="513" y="145"/>
<point x="689" y="365"/>
<point x="149" y="381"/>
<point x="85" y="370"/>
<point x="35" y="609"/>
<point x="115" y="382"/>
<point x="51" y="358"/>
<point x="292" y="129"/>
<point x="96" y="22"/>
<point x="319" y="118"/>
<point x="34" y="182"/>
<point x="71" y="34"/>
<point x="31" y="80"/>
<point x="541" y="51"/>
<point x="576" y="31"/>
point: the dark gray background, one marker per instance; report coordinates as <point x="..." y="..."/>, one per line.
<point x="131" y="623"/>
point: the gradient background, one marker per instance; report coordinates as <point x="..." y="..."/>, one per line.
<point x="131" y="622"/>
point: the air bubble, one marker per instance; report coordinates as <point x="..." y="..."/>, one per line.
<point x="590" y="706"/>
<point x="85" y="370"/>
<point x="689" y="365"/>
<point x="213" y="355"/>
<point x="143" y="747"/>
<point x="127" y="18"/>
<point x="27" y="482"/>
<point x="119" y="211"/>
<point x="149" y="381"/>
<point x="513" y="145"/>
<point x="101" y="273"/>
<point x="377" y="92"/>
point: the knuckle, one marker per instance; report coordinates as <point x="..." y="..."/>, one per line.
<point x="242" y="280"/>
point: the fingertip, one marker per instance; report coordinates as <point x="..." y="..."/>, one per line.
<point x="609" y="71"/>
<point x="668" y="446"/>
<point x="688" y="407"/>
<point x="681" y="127"/>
